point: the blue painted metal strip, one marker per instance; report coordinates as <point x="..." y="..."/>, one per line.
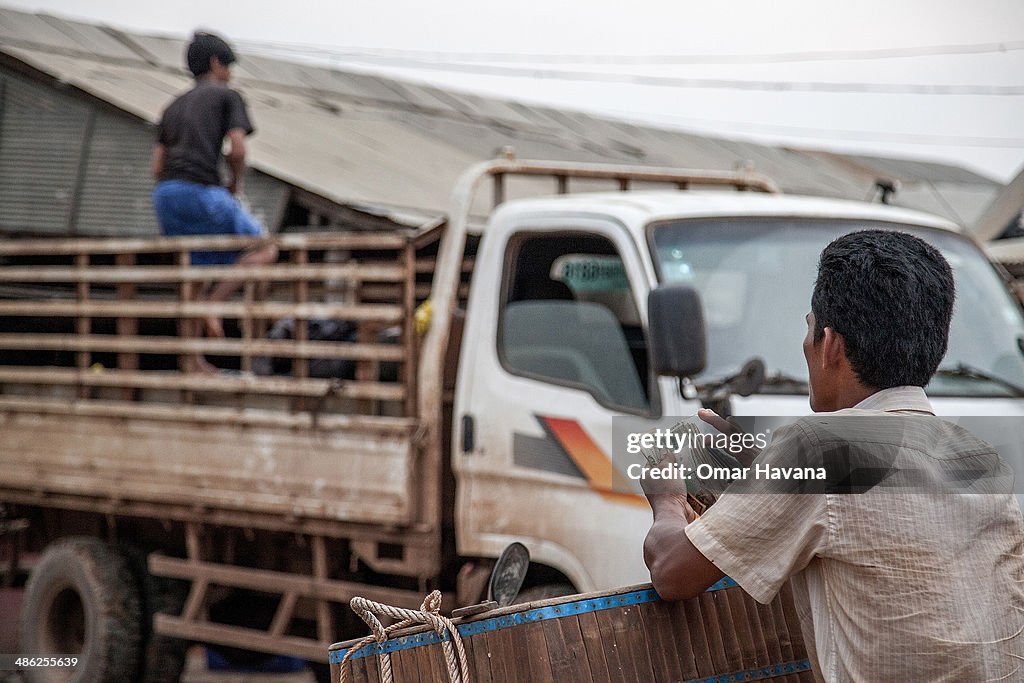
<point x="724" y="582"/>
<point x="758" y="674"/>
<point x="519" y="618"/>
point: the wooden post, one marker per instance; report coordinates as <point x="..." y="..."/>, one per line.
<point x="193" y="608"/>
<point x="127" y="327"/>
<point x="407" y="374"/>
<point x="249" y="295"/>
<point x="366" y="333"/>
<point x="300" y="366"/>
<point x="83" y="324"/>
<point x="324" y="618"/>
<point x="187" y="327"/>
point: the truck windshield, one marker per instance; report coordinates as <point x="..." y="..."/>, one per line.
<point x="755" y="277"/>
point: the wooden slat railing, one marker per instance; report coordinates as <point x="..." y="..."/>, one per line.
<point x="102" y="300"/>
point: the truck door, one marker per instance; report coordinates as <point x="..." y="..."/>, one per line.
<point x="555" y="347"/>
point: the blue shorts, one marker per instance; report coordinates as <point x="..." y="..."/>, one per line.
<point x="188" y="209"/>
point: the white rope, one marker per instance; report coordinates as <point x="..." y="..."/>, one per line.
<point x="429" y="613"/>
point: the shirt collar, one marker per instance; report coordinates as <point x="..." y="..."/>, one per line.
<point x="897" y="399"/>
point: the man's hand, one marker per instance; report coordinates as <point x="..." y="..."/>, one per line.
<point x="726" y="427"/>
<point x="672" y="505"/>
<point x="678" y="570"/>
<point x="658" y="488"/>
<point x="667" y="496"/>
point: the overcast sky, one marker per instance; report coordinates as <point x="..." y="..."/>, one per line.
<point x="778" y="72"/>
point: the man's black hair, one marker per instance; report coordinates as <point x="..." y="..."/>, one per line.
<point x="890" y="295"/>
<point x="203" y="47"/>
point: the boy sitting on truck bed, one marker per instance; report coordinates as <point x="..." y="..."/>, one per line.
<point x="189" y="198"/>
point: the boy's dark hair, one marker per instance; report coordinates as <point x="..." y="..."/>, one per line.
<point x="890" y="295"/>
<point x="204" y="46"/>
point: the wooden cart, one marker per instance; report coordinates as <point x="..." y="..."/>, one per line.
<point x="628" y="635"/>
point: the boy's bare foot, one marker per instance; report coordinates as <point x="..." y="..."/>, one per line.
<point x="200" y="365"/>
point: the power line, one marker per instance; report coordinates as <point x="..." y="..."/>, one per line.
<point x="690" y="82"/>
<point x="731" y="84"/>
<point x="676" y="59"/>
<point x="831" y="133"/>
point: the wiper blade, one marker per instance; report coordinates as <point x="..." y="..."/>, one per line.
<point x="751" y="379"/>
<point x="964" y="371"/>
<point x="744" y="382"/>
<point x="780" y="379"/>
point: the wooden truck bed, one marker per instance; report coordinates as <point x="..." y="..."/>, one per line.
<point x="205" y="459"/>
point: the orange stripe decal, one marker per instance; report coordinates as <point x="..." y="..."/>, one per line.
<point x="593" y="462"/>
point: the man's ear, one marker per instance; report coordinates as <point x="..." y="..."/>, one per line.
<point x="833" y="349"/>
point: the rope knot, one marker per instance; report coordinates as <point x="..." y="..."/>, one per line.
<point x="429" y="614"/>
<point x="432" y="603"/>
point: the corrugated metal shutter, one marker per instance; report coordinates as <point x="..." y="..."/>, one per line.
<point x="41" y="135"/>
<point x="118" y="187"/>
<point x="117" y="190"/>
<point x="266" y="196"/>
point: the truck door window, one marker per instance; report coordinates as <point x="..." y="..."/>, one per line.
<point x="569" y="317"/>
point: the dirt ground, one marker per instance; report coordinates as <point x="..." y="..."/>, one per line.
<point x="195" y="668"/>
<point x="196" y="672"/>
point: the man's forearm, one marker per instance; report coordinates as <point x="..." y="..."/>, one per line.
<point x="665" y="558"/>
<point x="236" y="158"/>
<point x="678" y="570"/>
<point x="237" y="168"/>
<point x="159" y="153"/>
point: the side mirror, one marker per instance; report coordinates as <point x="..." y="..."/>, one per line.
<point x="678" y="344"/>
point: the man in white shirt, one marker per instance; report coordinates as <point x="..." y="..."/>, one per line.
<point x="919" y="585"/>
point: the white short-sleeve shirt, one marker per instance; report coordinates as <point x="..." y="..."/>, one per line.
<point x="888" y="586"/>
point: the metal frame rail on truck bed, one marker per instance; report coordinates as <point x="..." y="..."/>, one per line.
<point x="263" y="502"/>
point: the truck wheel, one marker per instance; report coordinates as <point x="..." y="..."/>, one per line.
<point x="81" y="600"/>
<point x="162" y="658"/>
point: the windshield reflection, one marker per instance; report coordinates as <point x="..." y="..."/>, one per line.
<point x="755" y="277"/>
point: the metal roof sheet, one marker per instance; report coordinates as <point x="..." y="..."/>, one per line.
<point x="370" y="141"/>
<point x="908" y="170"/>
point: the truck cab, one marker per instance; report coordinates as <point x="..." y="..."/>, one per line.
<point x="557" y="338"/>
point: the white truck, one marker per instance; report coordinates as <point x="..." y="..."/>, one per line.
<point x="281" y="496"/>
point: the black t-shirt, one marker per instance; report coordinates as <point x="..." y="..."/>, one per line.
<point x="193" y="128"/>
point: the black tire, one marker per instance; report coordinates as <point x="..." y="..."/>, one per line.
<point x="162" y="658"/>
<point x="79" y="581"/>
